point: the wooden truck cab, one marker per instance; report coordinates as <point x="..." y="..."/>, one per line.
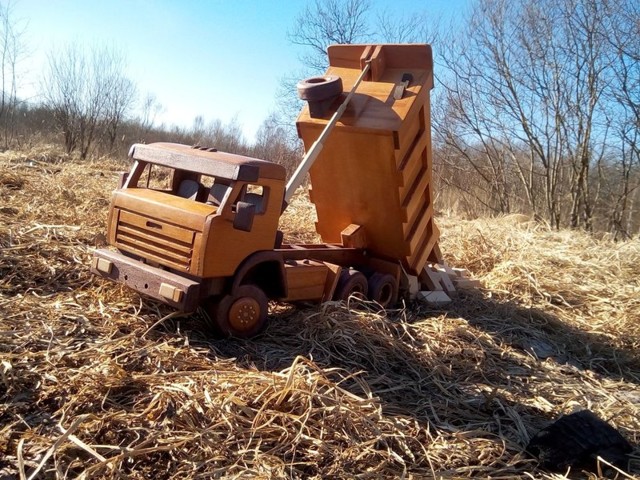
<point x="192" y="213"/>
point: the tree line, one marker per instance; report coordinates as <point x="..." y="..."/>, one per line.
<point x="536" y="108"/>
<point x="539" y="111"/>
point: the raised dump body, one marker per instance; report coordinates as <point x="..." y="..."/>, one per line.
<point x="375" y="167"/>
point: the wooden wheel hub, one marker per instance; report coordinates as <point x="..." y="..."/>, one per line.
<point x="244" y="313"/>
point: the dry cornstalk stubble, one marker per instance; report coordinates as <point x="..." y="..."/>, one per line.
<point x="99" y="383"/>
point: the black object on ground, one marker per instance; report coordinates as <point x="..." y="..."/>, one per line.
<point x="576" y="440"/>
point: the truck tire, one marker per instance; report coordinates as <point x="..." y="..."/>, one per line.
<point x="383" y="289"/>
<point x="316" y="89"/>
<point x="351" y="282"/>
<point x="242" y="313"/>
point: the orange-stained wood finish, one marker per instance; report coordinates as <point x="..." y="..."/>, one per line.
<point x="311" y="280"/>
<point x="306" y="280"/>
<point x="159" y="226"/>
<point x="208" y="162"/>
<point x="333" y="276"/>
<point x="375" y="169"/>
<point x="227" y="246"/>
<point x="190" y="236"/>
<point x="354" y="237"/>
<point x="372" y="188"/>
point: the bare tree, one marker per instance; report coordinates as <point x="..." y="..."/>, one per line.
<point x="118" y="104"/>
<point x="273" y="144"/>
<point x="625" y="94"/>
<point x="326" y="22"/>
<point x="525" y="85"/>
<point x="227" y="137"/>
<point x="411" y="27"/>
<point x="88" y="93"/>
<point x="585" y="121"/>
<point x="150" y="109"/>
<point x="11" y="50"/>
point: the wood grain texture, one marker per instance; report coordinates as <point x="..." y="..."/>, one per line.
<point x="164" y="206"/>
<point x="376" y="167"/>
<point x="190" y="236"/>
<point x="226" y="246"/>
<point x="306" y="280"/>
<point x="219" y="164"/>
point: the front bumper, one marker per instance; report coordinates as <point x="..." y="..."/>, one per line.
<point x="175" y="290"/>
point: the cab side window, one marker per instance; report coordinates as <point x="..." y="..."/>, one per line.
<point x="156" y="177"/>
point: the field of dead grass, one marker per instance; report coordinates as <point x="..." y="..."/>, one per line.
<point x="96" y="382"/>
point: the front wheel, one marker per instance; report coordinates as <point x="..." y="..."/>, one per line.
<point x="242" y="313"/>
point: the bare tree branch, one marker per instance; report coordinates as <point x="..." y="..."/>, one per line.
<point x="89" y="95"/>
<point x="326" y="22"/>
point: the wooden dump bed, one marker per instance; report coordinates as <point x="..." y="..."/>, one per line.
<point x="375" y="168"/>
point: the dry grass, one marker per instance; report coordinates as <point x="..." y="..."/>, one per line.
<point x="98" y="383"/>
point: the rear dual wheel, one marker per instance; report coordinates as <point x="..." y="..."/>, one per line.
<point x="383" y="289"/>
<point x="380" y="287"/>
<point x="351" y="282"/>
<point x="242" y="313"/>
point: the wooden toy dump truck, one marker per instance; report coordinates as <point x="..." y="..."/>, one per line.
<point x="194" y="227"/>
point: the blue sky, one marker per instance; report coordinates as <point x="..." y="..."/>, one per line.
<point x="215" y="58"/>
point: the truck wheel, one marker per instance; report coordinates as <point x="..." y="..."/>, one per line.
<point x="316" y="89"/>
<point x="383" y="289"/>
<point x="240" y="314"/>
<point x="351" y="282"/>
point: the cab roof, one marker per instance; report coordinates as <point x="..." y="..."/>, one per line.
<point x="207" y="161"/>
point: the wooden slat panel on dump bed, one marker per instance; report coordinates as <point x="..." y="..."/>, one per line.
<point x="375" y="167"/>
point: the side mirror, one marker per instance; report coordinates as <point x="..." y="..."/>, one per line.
<point x="244" y="216"/>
